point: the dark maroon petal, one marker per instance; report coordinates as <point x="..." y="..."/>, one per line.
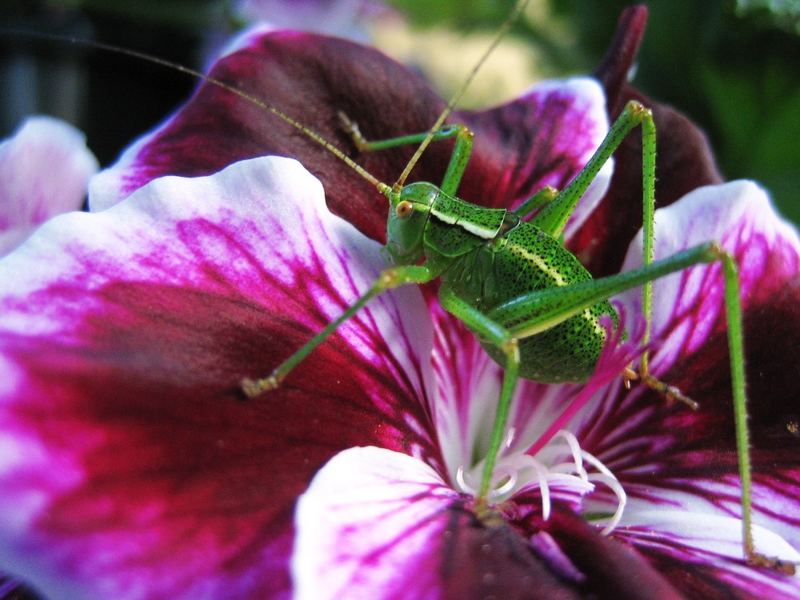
<point x="615" y="68"/>
<point x="534" y="140"/>
<point x="684" y="160"/>
<point x="612" y="568"/>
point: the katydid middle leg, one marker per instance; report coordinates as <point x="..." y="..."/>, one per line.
<point x="554" y="216"/>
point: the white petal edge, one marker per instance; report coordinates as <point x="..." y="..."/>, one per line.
<point x="44" y="171"/>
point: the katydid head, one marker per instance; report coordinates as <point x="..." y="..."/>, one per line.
<point x="408" y="214"/>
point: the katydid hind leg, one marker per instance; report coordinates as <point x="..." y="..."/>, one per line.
<point x="388" y="279"/>
<point x="733" y="314"/>
<point x="554" y="216"/>
<point x="735" y="342"/>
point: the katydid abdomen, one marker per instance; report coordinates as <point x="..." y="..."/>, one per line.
<point x="522" y="260"/>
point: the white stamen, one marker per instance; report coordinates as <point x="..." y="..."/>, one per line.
<point x="544" y="488"/>
<point x="461" y="482"/>
<point x="575" y="447"/>
<point x="608" y="478"/>
<point x="622" y="500"/>
<point x="512" y="432"/>
<point x="507" y="486"/>
<point x="550" y="470"/>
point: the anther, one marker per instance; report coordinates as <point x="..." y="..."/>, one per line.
<point x="628" y="375"/>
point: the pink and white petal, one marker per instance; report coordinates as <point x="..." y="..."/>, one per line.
<point x="688" y="305"/>
<point x="44" y="170"/>
<point x="677" y="459"/>
<point x="691" y="348"/>
<point x="467" y="390"/>
<point x="369" y="526"/>
<point x="130" y="469"/>
<point x="702" y="554"/>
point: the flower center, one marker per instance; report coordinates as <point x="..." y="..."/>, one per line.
<point x="561" y="468"/>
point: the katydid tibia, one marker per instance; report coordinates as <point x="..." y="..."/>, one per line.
<point x="535" y="308"/>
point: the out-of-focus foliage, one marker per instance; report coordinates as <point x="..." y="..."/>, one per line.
<point x="734" y="72"/>
<point x="730" y="65"/>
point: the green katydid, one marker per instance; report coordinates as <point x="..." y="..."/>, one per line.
<point x="546" y="326"/>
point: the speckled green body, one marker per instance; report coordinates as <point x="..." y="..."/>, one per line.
<point x="511" y="264"/>
<point x="489" y="257"/>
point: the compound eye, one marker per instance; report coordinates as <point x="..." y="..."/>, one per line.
<point x="404" y="209"/>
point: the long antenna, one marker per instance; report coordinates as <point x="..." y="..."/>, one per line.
<point x="520" y="6"/>
<point x="307" y="131"/>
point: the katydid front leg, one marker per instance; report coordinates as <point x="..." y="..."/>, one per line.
<point x="389" y="279"/>
<point x="462" y="150"/>
<point x="459" y="159"/>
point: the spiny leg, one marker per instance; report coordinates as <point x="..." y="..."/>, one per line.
<point x="670" y="392"/>
<point x="550" y="307"/>
<point x="462" y="149"/>
<point x="547" y="308"/>
<point x="540" y="310"/>
<point x="554" y="216"/>
<point x="498" y="335"/>
<point x="733" y="315"/>
<point x="387" y="280"/>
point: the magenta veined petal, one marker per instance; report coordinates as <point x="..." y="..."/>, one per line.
<point x="738" y="215"/>
<point x="673" y="461"/>
<point x="371" y="524"/>
<point x="130" y="469"/>
<point x="382" y="525"/>
<point x="44" y="170"/>
<point x="710" y="547"/>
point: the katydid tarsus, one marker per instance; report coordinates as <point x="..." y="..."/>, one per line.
<point x="544" y="325"/>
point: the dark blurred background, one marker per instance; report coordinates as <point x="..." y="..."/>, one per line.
<point x="732" y="65"/>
